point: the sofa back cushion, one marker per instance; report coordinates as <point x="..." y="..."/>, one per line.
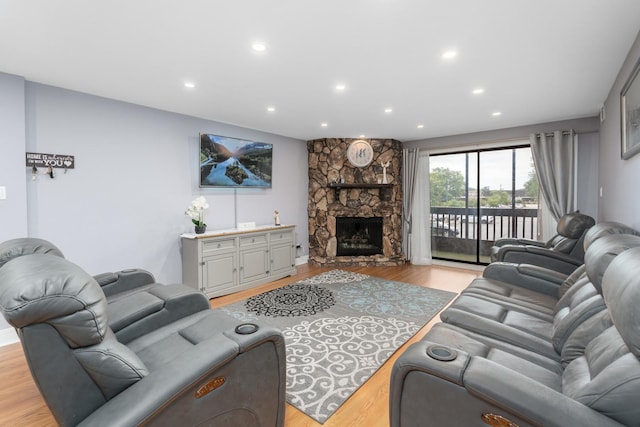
<point x="47" y="289"/>
<point x="26" y="246"/>
<point x="607" y="376"/>
<point x="606" y="228"/>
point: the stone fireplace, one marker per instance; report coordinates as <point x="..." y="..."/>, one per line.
<point x="341" y="195"/>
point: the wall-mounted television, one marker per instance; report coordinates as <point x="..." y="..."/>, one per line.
<point x="234" y="162"/>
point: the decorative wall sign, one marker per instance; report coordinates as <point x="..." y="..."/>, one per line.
<point x="62" y="161"/>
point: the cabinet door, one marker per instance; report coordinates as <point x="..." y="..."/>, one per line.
<point x="282" y="258"/>
<point x="219" y="274"/>
<point x="253" y="264"/>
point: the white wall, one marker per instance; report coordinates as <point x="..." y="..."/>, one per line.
<point x="618" y="178"/>
<point x="136" y="172"/>
<point x="13" y="209"/>
<point x="588" y="143"/>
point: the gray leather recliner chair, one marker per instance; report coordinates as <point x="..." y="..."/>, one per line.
<point x="137" y="304"/>
<point x="203" y="369"/>
<point x="443" y="380"/>
<point x="564" y="252"/>
<point x="540" y="279"/>
<point x="527" y="360"/>
<point x="524" y="319"/>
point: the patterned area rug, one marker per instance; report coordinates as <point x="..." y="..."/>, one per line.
<point x="339" y="328"/>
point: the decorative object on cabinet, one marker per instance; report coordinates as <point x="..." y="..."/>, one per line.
<point x="630" y="114"/>
<point x="195" y="211"/>
<point x="227" y="261"/>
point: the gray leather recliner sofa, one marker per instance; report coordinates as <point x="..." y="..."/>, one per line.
<point x="137" y="304"/>
<point x="203" y="369"/>
<point x="564" y="252"/>
<point x="533" y="359"/>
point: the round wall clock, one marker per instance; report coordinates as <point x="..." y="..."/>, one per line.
<point x="360" y="153"/>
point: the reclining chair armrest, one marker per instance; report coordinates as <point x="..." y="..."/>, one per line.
<point x="512" y="241"/>
<point x="132" y="315"/>
<point x="125" y="280"/>
<point x="526" y="398"/>
<point x="416" y="358"/>
<point x="534" y="277"/>
<point x="542" y="257"/>
<point x="194" y="373"/>
<point x="460" y="392"/>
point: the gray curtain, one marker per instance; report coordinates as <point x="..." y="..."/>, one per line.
<point x="410" y="158"/>
<point x="553" y="159"/>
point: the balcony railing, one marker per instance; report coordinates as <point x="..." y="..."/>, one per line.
<point x="494" y="223"/>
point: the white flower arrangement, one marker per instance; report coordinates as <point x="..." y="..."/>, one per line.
<point x="196" y="211"/>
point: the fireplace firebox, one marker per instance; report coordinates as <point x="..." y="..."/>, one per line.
<point x="358" y="236"/>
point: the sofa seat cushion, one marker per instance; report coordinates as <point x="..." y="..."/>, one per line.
<point x="138" y="305"/>
<point x="531" y="364"/>
<point x="511" y="294"/>
<point x="497" y="322"/>
<point x="129" y="293"/>
<point x="141" y="310"/>
<point x="167" y="343"/>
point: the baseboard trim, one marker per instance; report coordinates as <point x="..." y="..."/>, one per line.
<point x="302" y="260"/>
<point x="462" y="265"/>
<point x="8" y="336"/>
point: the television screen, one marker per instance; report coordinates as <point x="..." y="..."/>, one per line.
<point x="233" y="162"/>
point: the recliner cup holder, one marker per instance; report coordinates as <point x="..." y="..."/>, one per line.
<point x="441" y="353"/>
<point x="246" y="328"/>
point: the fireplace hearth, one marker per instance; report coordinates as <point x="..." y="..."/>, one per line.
<point x="358" y="236"/>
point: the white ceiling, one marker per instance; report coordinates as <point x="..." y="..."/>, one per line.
<point x="538" y="61"/>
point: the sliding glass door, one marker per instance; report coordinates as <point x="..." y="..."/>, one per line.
<point x="478" y="197"/>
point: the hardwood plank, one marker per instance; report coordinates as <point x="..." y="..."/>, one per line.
<point x="22" y="405"/>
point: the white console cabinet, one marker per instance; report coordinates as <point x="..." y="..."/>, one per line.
<point x="222" y="262"/>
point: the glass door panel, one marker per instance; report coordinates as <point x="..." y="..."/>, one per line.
<point x="478" y="197"/>
<point x="454" y="202"/>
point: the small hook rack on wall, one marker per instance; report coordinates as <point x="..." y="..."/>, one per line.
<point x="49" y="162"/>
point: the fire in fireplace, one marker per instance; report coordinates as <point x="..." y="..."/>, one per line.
<point x="358" y="236"/>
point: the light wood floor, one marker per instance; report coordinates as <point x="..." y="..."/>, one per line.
<point x="21" y="404"/>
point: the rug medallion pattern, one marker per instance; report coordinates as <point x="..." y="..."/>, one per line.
<point x="339" y="328"/>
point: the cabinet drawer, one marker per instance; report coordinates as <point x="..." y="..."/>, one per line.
<point x="214" y="246"/>
<point x="281" y="236"/>
<point x="258" y="239"/>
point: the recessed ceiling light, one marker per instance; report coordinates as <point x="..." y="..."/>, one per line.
<point x="189" y="85"/>
<point x="271" y="109"/>
<point x="420" y="126"/>
<point x="259" y="47"/>
<point x="477" y="91"/>
<point x="324" y="125"/>
<point x="496" y="114"/>
<point x="340" y="87"/>
<point x="450" y="54"/>
<point x="388" y="110"/>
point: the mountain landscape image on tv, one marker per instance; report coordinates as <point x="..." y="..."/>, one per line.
<point x="234" y="162"/>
